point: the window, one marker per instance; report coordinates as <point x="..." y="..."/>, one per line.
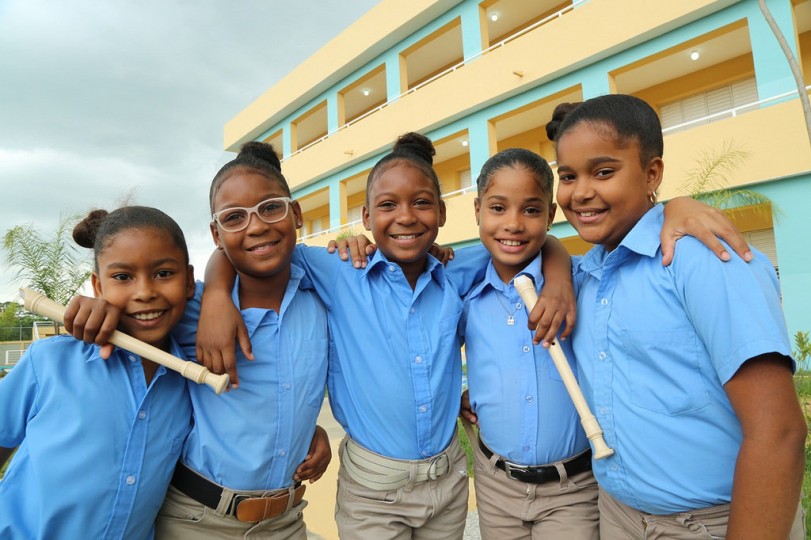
<point x="700" y="106"/>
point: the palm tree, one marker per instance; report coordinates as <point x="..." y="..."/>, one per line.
<point x="52" y="266"/>
<point x="708" y="180"/>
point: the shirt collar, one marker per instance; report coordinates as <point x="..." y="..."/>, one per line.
<point x="254" y="317"/>
<point x="492" y="279"/>
<point x="643" y="239"/>
<point x="434" y="267"/>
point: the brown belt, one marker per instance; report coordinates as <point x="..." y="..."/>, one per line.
<point x="248" y="507"/>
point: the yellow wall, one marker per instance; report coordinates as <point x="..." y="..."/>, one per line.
<point x="531" y="140"/>
<point x="448" y="172"/>
<point x="699" y="81"/>
<point x="805" y="56"/>
<point x="339" y="55"/>
<point x="422" y="110"/>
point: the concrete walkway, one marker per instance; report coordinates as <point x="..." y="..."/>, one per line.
<point x="319" y="514"/>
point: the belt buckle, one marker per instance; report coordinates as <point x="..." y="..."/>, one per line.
<point x="434" y="464"/>
<point x="512" y="468"/>
<point x="235" y="503"/>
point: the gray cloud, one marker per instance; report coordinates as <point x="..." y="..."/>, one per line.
<point x="104" y="100"/>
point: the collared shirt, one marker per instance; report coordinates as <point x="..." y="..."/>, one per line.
<point x="255" y="436"/>
<point x="395" y="376"/>
<point x="525" y="413"/>
<point x="655" y="345"/>
<point x="97" y="447"/>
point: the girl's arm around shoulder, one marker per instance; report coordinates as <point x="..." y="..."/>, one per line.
<point x="220" y="323"/>
<point x="556" y="304"/>
<point x="687" y="217"/>
<point x="769" y="470"/>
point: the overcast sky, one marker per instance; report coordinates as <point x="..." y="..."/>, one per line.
<point x="107" y="100"/>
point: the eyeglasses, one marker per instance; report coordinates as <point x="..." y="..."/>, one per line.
<point x="237" y="218"/>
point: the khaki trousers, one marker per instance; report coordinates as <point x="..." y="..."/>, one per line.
<point x="428" y="510"/>
<point x="510" y="509"/>
<point x="183" y="518"/>
<point x="619" y="521"/>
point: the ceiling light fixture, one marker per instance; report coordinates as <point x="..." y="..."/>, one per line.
<point x="464" y="142"/>
<point x="494" y="17"/>
<point x="366" y="92"/>
<point x="695" y="55"/>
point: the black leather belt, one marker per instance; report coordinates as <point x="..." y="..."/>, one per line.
<point x="540" y="474"/>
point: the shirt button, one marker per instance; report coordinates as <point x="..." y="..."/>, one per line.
<point x="525" y="348"/>
<point x="131" y="358"/>
<point x="282" y="452"/>
<point x="614" y="467"/>
<point x="412" y="311"/>
<point x="529" y="399"/>
<point x="518" y="305"/>
<point x="603" y="410"/>
<point x="391" y="268"/>
<point x="601" y="355"/>
<point x="286" y="386"/>
<point x="604" y="301"/>
<point x="418" y="359"/>
<point x="141" y="414"/>
<point x="130" y="480"/>
<point x="526" y="448"/>
<point x="423" y="408"/>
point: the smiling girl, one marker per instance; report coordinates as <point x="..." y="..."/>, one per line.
<point x="688" y="367"/>
<point x="98" y="440"/>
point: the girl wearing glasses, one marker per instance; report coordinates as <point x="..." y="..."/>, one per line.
<point x="241" y="467"/>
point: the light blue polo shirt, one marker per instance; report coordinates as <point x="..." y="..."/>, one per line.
<point x="525" y="413"/>
<point x="395" y="374"/>
<point x="97" y="447"/>
<point x="655" y="345"/>
<point x="255" y="436"/>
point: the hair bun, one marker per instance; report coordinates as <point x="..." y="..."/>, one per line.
<point x="561" y="111"/>
<point x="84" y="233"/>
<point x="260" y="150"/>
<point x="417" y="145"/>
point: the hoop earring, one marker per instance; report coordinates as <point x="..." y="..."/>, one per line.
<point x="548" y="228"/>
<point x="652" y="198"/>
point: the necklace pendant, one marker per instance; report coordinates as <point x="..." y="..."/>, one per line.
<point x="510" y="320"/>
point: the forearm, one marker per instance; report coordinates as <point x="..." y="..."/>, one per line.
<point x="220" y="274"/>
<point x="556" y="263"/>
<point x="766" y="489"/>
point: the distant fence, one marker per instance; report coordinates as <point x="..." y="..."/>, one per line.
<point x="16" y="333"/>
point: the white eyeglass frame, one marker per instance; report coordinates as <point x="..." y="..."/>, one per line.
<point x="215" y="217"/>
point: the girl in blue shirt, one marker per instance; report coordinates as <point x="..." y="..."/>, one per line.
<point x="241" y="468"/>
<point x="395" y="377"/>
<point x="687" y="367"/>
<point x="532" y="459"/>
<point x="97" y="440"/>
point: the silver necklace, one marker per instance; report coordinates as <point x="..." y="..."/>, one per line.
<point x="510" y="318"/>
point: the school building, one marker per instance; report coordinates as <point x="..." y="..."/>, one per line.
<point x="480" y="76"/>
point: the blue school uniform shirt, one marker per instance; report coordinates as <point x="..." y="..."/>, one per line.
<point x="255" y="436"/>
<point x="655" y="346"/>
<point x="395" y="373"/>
<point x="525" y="413"/>
<point x="97" y="447"/>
